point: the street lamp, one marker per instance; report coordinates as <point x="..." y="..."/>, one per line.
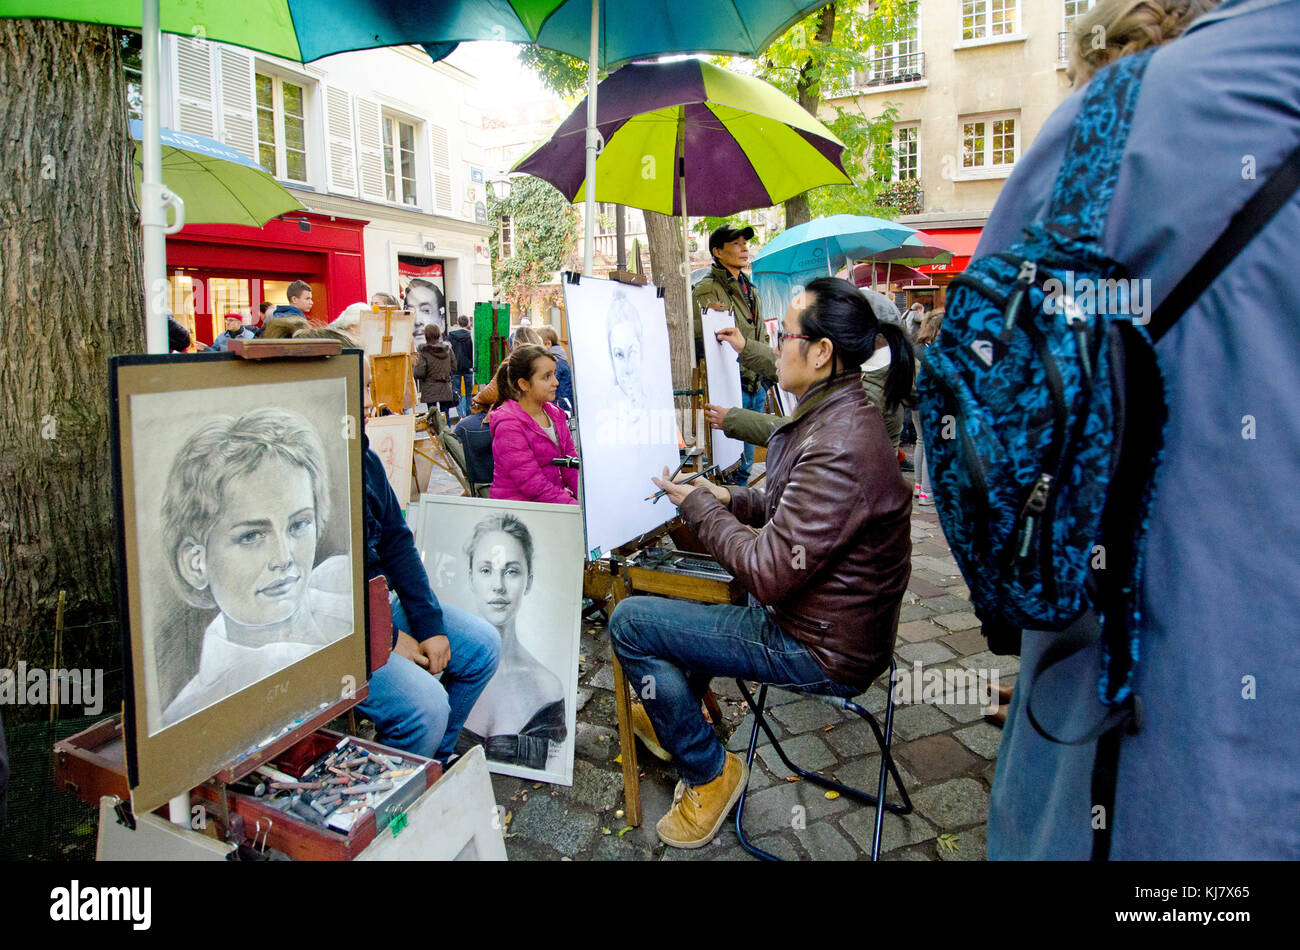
<point x="500" y="183"/>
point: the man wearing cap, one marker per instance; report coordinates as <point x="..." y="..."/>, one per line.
<point x="235" y="330"/>
<point x="726" y="287"/>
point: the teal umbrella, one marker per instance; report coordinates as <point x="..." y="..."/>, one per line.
<point x="603" y="32"/>
<point x="216" y="184"/>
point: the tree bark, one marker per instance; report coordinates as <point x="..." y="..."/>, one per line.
<point x="809" y="87"/>
<point x="71" y="294"/>
<point x="664" y="235"/>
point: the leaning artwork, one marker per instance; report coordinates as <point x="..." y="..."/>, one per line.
<point x="519" y="566"/>
<point x="239" y="494"/>
<point x="627" y="424"/>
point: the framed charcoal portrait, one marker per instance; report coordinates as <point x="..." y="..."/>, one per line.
<point x="519" y="566"/>
<point x="393" y="440"/>
<point x="240" y="539"/>
<point x="627" y="423"/>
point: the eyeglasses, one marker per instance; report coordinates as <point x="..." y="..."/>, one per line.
<point x="782" y="336"/>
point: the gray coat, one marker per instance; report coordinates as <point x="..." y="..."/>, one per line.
<point x="1215" y="770"/>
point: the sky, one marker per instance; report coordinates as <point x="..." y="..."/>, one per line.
<point x="501" y="76"/>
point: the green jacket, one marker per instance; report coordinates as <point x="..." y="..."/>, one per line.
<point x="757" y="427"/>
<point x="757" y="360"/>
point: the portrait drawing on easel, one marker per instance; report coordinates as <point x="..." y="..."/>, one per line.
<point x="240" y="504"/>
<point x="627" y="423"/>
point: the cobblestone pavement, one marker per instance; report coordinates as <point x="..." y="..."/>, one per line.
<point x="946" y="754"/>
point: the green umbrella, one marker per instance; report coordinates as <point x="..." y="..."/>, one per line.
<point x="217" y="184"/>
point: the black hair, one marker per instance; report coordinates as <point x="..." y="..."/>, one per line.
<point x="841" y="314"/>
<point x="520" y="366"/>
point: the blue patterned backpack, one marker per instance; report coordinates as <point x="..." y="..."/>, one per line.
<point x="1043" y="409"/>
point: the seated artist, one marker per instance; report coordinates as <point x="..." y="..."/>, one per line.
<point x="411" y="709"/>
<point x="520" y="718"/>
<point x="528" y="431"/>
<point x="826" y="569"/>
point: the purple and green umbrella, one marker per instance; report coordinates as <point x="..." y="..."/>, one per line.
<point x="742" y="142"/>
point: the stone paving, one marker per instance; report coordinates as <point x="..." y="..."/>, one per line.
<point x="945" y="752"/>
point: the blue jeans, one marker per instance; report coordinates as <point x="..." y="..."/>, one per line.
<point x="671" y="649"/>
<point x="461" y="385"/>
<point x="757" y="400"/>
<point x="411" y="709"/>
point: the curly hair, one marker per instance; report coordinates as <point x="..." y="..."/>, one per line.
<point x="506" y="524"/>
<point x="1124" y="27"/>
<point x="222" y="449"/>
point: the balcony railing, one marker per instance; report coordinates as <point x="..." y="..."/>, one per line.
<point x="883" y="71"/>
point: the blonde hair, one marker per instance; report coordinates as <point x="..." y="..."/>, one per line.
<point x="527" y="335"/>
<point x="1127" y="27"/>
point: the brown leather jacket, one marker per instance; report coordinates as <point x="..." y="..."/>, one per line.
<point x="832" y="557"/>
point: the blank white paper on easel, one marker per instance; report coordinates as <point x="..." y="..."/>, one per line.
<point x="722" y="364"/>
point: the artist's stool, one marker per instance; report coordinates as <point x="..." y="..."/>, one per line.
<point x="887" y="766"/>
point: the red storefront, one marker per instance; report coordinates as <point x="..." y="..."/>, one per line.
<point x="217" y="269"/>
<point x="963" y="242"/>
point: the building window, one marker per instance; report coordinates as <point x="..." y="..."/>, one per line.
<point x="900" y="60"/>
<point x="505" y="239"/>
<point x="906" y="153"/>
<point x="399" y="161"/>
<point x="1075" y="9"/>
<point x="281" y="128"/>
<point x="989" y="143"/>
<point x="984" y="19"/>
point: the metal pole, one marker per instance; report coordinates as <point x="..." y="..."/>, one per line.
<point x="589" y="219"/>
<point x="152" y="213"/>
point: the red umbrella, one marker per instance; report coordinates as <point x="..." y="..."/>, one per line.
<point x="869" y="273"/>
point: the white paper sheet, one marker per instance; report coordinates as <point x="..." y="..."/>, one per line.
<point x="723" y="366"/>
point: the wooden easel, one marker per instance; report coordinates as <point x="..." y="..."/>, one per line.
<point x="617" y="579"/>
<point x="391" y="379"/>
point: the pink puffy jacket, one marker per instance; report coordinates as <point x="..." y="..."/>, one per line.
<point x="522" y="453"/>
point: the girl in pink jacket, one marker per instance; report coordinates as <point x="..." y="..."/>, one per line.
<point x="528" y="430"/>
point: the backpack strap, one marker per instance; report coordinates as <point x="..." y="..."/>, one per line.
<point x="1254" y="215"/>
<point x="1086" y="181"/>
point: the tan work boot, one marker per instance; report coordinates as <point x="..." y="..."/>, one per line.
<point x="700" y="811"/>
<point x="644" y="730"/>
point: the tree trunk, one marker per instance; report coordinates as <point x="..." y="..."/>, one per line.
<point x="71" y="294"/>
<point x="810" y="97"/>
<point x="664" y="235"/>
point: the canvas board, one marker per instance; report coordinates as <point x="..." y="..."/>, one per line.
<point x="393" y="439"/>
<point x="372" y="333"/>
<point x="476" y="553"/>
<point x="239" y="500"/>
<point x="722" y="363"/>
<point x="627" y="425"/>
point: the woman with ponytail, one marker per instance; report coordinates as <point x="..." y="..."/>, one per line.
<point x="824" y="550"/>
<point x="529" y="431"/>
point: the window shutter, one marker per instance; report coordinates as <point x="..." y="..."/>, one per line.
<point x="440" y="161"/>
<point x="370" y="144"/>
<point x="238" y="124"/>
<point x="340" y="144"/>
<point x="194" y="105"/>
